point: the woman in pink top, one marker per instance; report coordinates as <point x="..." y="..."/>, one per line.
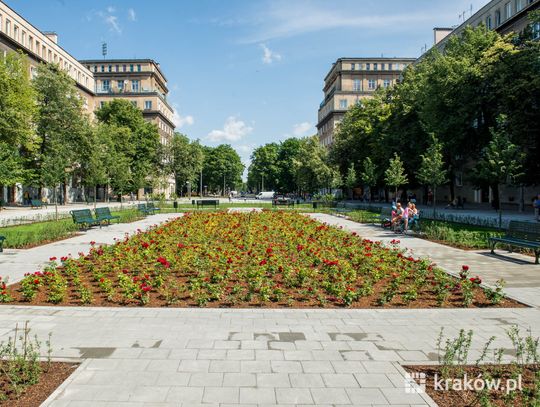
<point x="405" y="217"/>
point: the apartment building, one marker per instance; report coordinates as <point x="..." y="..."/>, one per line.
<point x="42" y="47"/>
<point x="139" y="80"/>
<point x="504" y="16"/>
<point x="348" y="82"/>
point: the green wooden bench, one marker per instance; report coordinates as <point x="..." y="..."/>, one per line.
<point x="207" y="202"/>
<point x="283" y="202"/>
<point x="144" y="209"/>
<point x="520" y="234"/>
<point x="36" y="204"/>
<point x="2" y="238"/>
<point x="152" y="208"/>
<point x="84" y="218"/>
<point x="104" y="215"/>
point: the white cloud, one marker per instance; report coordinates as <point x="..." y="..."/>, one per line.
<point x="132" y="16"/>
<point x="269" y="56"/>
<point x="233" y="130"/>
<point x="109" y="19"/>
<point x="112" y="21"/>
<point x="181" y="121"/>
<point x="283" y="19"/>
<point x="301" y="129"/>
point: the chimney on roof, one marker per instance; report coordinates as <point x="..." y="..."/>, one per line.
<point x="52" y="36"/>
<point x="440" y="33"/>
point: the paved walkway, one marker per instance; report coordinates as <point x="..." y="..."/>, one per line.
<point x="228" y="357"/>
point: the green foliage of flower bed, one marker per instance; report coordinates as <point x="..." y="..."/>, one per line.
<point x="253" y="259"/>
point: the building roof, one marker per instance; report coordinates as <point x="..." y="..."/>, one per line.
<point x="123" y="60"/>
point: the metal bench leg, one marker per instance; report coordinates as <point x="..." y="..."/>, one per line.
<point x="536" y="255"/>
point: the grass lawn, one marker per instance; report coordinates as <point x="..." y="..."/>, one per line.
<point x="265" y="259"/>
<point x="35" y="234"/>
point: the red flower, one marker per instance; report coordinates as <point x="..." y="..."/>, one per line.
<point x="262" y="262"/>
<point x="163" y="262"/>
<point x="465" y="268"/>
<point x="52" y="258"/>
<point x="36" y="281"/>
<point x="145" y="245"/>
<point x="299" y="248"/>
<point x="269" y="250"/>
<point x="92" y="243"/>
<point x="180" y="245"/>
<point x="101" y="280"/>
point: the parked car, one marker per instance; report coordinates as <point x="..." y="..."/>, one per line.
<point x="265" y="195"/>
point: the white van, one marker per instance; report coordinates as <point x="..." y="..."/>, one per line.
<point x="265" y="195"/>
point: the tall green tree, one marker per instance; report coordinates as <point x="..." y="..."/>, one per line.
<point x="264" y="169"/>
<point x="222" y="168"/>
<point x="501" y="162"/>
<point x="187" y="161"/>
<point x="432" y="172"/>
<point x="18" y="139"/>
<point x="351" y="180"/>
<point x="60" y="126"/>
<point x="395" y="175"/>
<point x="142" y="145"/>
<point x="369" y="175"/>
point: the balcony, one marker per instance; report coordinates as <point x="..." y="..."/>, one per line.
<point x="116" y="91"/>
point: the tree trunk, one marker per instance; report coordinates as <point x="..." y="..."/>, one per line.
<point x="434" y="203"/>
<point x="500" y="206"/>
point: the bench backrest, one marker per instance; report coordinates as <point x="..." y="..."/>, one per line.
<point x="150" y="205"/>
<point x="2" y="238"/>
<point x="36" y="202"/>
<point x="208" y="202"/>
<point x="102" y="211"/>
<point x="141" y="207"/>
<point x="81" y="214"/>
<point x="524" y="230"/>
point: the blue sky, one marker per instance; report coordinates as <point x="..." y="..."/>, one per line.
<point x="244" y="72"/>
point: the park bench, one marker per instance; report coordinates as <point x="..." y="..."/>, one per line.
<point x="36" y="204"/>
<point x="144" y="209"/>
<point x="84" y="218"/>
<point x="104" y="215"/>
<point x="520" y="234"/>
<point x="152" y="208"/>
<point x="207" y="202"/>
<point x="343" y="207"/>
<point x="386" y="217"/>
<point x="2" y="238"/>
<point x="283" y="202"/>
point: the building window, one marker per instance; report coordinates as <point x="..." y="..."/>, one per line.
<point x="489" y="23"/>
<point x="387" y="83"/>
<point x="101" y="104"/>
<point x="357" y="85"/>
<point x="135" y="85"/>
<point x="343" y="103"/>
<point x="352" y="67"/>
<point x="507" y="10"/>
<point x="497" y="18"/>
<point x="139" y="68"/>
<point x="16" y="33"/>
<point x="148" y="104"/>
<point x="110" y="68"/>
<point x="105" y="85"/>
<point x="368" y="66"/>
<point x="8" y="27"/>
<point x="519" y="5"/>
<point x="31" y="43"/>
<point x="372" y="84"/>
<point x="102" y="68"/>
<point x="536" y="31"/>
<point x="131" y="68"/>
<point x="383" y="67"/>
<point x="123" y="68"/>
<point x="120" y="86"/>
<point x="23" y="38"/>
<point x="0" y="22"/>
<point x="117" y="67"/>
<point x="375" y="66"/>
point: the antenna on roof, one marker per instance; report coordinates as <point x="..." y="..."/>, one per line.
<point x="104" y="49"/>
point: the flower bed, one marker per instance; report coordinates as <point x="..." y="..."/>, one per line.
<point x="268" y="259"/>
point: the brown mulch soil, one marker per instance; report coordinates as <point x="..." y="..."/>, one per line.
<point x="36" y="394"/>
<point x="426" y="297"/>
<point x="467" y="398"/>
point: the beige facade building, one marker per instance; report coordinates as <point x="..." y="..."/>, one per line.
<point x="139" y="80"/>
<point x="349" y="81"/>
